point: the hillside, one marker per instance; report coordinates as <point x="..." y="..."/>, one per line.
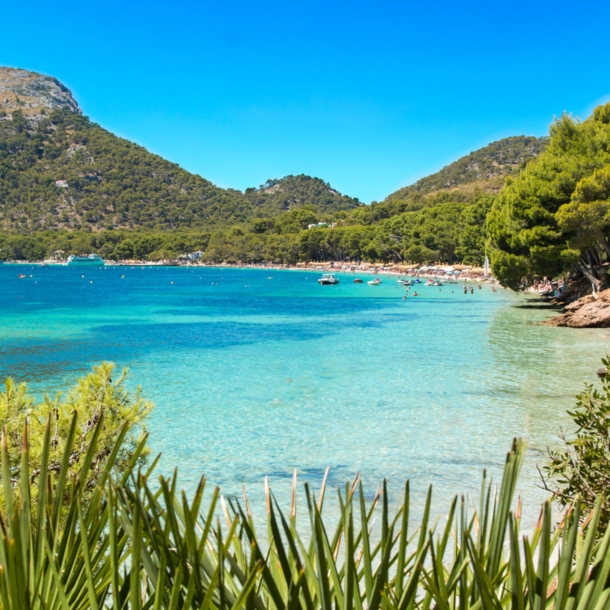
<point x="59" y="170"/>
<point x="485" y="167"/>
<point x="292" y="192"/>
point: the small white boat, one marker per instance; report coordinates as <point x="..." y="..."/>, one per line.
<point x="328" y="279"/>
<point x="430" y="282"/>
<point x="374" y="282"/>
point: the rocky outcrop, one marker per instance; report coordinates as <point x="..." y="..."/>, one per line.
<point x="32" y="93"/>
<point x="586" y="312"/>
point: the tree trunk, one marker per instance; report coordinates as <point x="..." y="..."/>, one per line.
<point x="582" y="267"/>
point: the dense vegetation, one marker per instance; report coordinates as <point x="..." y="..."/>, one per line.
<point x="128" y="543"/>
<point x="554" y="217"/>
<point x="581" y="468"/>
<point x="449" y="232"/>
<point x="106" y="182"/>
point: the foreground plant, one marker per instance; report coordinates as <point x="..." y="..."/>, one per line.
<point x="97" y="397"/>
<point x="581" y="470"/>
<point x="131" y="544"/>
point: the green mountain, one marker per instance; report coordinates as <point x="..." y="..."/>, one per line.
<point x="486" y="167"/>
<point x="59" y="170"/>
<point x="293" y="192"/>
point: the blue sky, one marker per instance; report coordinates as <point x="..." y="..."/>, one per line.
<point x="369" y="96"/>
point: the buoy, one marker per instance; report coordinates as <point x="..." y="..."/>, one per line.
<point x="91" y="282"/>
<point x="82" y="276"/>
<point x="172" y="282"/>
<point x="122" y="276"/>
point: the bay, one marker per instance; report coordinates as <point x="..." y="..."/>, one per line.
<point x="257" y="372"/>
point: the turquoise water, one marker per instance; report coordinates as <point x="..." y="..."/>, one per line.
<point x="255" y="376"/>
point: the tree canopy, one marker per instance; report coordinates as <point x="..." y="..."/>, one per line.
<point x="553" y="216"/>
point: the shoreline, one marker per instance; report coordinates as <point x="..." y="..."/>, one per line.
<point x="467" y="274"/>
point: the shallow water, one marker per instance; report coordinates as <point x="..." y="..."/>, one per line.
<point x="255" y="376"/>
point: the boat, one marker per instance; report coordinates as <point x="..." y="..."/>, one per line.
<point x="405" y="282"/>
<point x="357" y="281"/>
<point x="374" y="282"/>
<point x="437" y="283"/>
<point x="328" y="279"/>
<point x="91" y="260"/>
<point x="21" y="276"/>
<point x="430" y="282"/>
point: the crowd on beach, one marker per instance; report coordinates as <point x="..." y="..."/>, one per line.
<point x="462" y="272"/>
<point x="454" y="272"/>
<point x="546" y="287"/>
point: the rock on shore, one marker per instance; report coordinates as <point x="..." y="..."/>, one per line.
<point x="587" y="312"/>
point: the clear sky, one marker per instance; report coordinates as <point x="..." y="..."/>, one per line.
<point x="368" y="95"/>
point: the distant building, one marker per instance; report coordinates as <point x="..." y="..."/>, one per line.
<point x="193" y="256"/>
<point x="63" y="184"/>
<point x="317" y="224"/>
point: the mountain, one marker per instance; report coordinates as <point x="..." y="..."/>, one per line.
<point x="59" y="170"/>
<point x="293" y="192"/>
<point x="486" y="168"/>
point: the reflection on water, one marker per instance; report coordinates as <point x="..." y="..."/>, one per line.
<point x="256" y="377"/>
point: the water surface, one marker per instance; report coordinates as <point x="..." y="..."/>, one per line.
<point x="258" y="372"/>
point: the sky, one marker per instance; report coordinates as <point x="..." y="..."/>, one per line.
<point x="367" y="95"/>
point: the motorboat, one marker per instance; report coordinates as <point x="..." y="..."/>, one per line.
<point x="374" y="282"/>
<point x="328" y="279"/>
<point x="430" y="282"/>
<point x="405" y="282"/>
<point x="357" y="281"/>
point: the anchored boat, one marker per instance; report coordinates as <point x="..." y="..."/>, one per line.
<point x="328" y="279"/>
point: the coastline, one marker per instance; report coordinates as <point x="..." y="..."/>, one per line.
<point x="465" y="273"/>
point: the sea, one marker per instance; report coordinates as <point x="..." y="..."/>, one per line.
<point x="258" y="372"/>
